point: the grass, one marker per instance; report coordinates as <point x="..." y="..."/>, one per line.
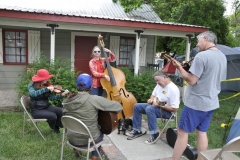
<point x="33" y="147"/>
<point x="216" y="134"/>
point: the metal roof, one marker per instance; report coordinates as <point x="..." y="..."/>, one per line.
<point x="105" y="9"/>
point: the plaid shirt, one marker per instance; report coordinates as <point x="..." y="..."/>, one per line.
<point x="35" y="93"/>
<point x="96" y="76"/>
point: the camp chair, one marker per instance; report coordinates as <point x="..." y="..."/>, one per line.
<point x="224" y="153"/>
<point x="165" y="121"/>
<point x="25" y="101"/>
<point x="75" y="125"/>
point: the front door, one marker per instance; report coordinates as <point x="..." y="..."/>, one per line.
<point x="83" y="51"/>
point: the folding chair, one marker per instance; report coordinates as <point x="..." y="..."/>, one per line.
<point x="165" y="121"/>
<point x="224" y="153"/>
<point x="75" y="125"/>
<point x="25" y="101"/>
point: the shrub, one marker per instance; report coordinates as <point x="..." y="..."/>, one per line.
<point x="141" y="85"/>
<point x="62" y="71"/>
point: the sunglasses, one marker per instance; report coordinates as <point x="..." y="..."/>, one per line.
<point x="97" y="51"/>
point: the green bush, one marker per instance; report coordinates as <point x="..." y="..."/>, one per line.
<point x="140" y="85"/>
<point x="64" y="75"/>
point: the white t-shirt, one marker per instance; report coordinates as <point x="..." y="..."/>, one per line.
<point x="170" y="93"/>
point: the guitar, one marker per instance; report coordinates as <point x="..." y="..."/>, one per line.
<point x="185" y="64"/>
<point x="108" y="121"/>
<point x="190" y="152"/>
<point x="161" y="103"/>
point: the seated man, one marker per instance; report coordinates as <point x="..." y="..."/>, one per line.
<point x="85" y="107"/>
<point x="165" y="90"/>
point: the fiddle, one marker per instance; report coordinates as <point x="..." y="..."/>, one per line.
<point x="57" y="88"/>
<point x="185" y="64"/>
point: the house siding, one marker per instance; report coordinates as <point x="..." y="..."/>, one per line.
<point x="62" y="43"/>
<point x="9" y="73"/>
<point x="150" y="53"/>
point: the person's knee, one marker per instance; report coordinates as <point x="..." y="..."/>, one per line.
<point x="149" y="109"/>
<point x="60" y="113"/>
<point x="182" y="133"/>
<point x="201" y="134"/>
<point x="136" y="107"/>
<point x="52" y="117"/>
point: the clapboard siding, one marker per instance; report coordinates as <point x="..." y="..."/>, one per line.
<point x="62" y="43"/>
<point x="150" y="52"/>
<point x="9" y="75"/>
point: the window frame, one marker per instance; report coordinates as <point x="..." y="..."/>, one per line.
<point x="4" y="46"/>
<point x="128" y="52"/>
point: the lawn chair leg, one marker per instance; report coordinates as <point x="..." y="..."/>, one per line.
<point x="98" y="151"/>
<point x="62" y="144"/>
<point x="39" y="131"/>
<point x="88" y="148"/>
<point x="24" y="121"/>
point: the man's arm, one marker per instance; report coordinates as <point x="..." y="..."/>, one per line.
<point x="190" y="78"/>
<point x="106" y="105"/>
<point x="167" y="108"/>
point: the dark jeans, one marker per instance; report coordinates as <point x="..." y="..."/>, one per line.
<point x="52" y="114"/>
<point x="94" y="153"/>
<point x="97" y="91"/>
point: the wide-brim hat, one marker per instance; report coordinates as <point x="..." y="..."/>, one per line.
<point x="84" y="80"/>
<point x="42" y="74"/>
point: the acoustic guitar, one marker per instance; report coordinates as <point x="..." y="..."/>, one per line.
<point x="108" y="121"/>
<point x="185" y="64"/>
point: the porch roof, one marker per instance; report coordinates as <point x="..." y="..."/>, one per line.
<point x="103" y="12"/>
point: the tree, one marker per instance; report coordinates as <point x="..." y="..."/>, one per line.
<point x="207" y="13"/>
<point x="234" y="23"/>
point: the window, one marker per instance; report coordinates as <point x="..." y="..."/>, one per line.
<point x="15" y="46"/>
<point x="126" y="47"/>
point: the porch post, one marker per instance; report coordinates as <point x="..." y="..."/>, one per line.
<point x="187" y="57"/>
<point x="52" y="51"/>
<point x="137" y="46"/>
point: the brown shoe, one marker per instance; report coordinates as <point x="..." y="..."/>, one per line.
<point x="77" y="152"/>
<point x="94" y="157"/>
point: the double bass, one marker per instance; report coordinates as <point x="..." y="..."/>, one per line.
<point x="115" y="89"/>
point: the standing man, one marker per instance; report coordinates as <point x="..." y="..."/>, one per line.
<point x="201" y="97"/>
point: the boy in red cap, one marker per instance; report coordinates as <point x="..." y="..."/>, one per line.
<point x="40" y="107"/>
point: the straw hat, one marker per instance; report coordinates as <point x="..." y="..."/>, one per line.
<point x="42" y="74"/>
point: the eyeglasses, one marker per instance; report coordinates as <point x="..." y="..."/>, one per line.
<point x="97" y="51"/>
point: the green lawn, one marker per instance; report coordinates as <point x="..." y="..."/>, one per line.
<point x="33" y="147"/>
<point x="216" y="132"/>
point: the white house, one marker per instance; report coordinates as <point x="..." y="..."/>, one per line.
<point x="70" y="29"/>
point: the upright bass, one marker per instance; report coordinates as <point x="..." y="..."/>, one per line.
<point x="116" y="87"/>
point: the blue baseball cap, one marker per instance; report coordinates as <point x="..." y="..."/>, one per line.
<point x="84" y="80"/>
